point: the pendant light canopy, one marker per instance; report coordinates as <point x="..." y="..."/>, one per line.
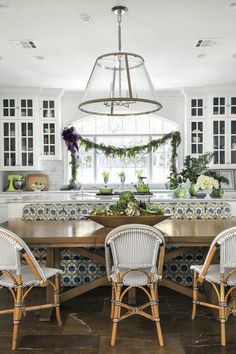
<point x="119" y="84"/>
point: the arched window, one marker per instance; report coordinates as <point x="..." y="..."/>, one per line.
<point x="124" y="131"/>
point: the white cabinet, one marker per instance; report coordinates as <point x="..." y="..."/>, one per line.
<point x="19" y="125"/>
<point x="223" y="105"/>
<point x="211" y="125"/>
<point x="196" y="124"/>
<point x="50" y="128"/>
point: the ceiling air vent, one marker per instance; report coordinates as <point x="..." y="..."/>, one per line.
<point x="205" y="43"/>
<point x="24" y="44"/>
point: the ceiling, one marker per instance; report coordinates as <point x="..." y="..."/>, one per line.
<point x="164" y="32"/>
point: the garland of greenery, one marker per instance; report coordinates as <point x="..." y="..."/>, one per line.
<point x="74" y="140"/>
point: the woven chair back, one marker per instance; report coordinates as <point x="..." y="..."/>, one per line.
<point x="226" y="243"/>
<point x="135" y="246"/>
<point x="11" y="249"/>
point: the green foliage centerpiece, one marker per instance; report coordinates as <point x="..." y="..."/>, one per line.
<point x="127" y="210"/>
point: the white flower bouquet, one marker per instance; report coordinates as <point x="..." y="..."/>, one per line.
<point x="206" y="182"/>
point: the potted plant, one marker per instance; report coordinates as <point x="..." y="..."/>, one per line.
<point x="105" y="175"/>
<point x="193" y="168"/>
<point x="122" y="176"/>
<point x="218" y="192"/>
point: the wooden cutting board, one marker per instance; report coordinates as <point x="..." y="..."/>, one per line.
<point x="37" y="177"/>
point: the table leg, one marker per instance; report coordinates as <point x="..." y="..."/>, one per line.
<point x="132" y="296"/>
<point x="45" y="315"/>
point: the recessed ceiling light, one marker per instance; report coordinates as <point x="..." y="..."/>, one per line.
<point x="232" y="5"/>
<point x="201" y="56"/>
<point x="38" y="57"/>
<point x="85" y="18"/>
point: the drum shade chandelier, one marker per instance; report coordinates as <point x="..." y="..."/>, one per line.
<point x="119" y="84"/>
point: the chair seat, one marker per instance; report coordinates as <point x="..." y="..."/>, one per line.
<point x="213" y="274"/>
<point x="134" y="278"/>
<point x="28" y="277"/>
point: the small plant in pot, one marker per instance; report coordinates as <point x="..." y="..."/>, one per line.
<point x="217" y="192"/>
<point x="193" y="168"/>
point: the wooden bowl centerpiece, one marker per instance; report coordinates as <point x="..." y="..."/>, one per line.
<point x="127" y="210"/>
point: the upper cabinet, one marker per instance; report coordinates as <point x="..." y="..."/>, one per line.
<point x="223" y="105"/>
<point x="29" y="129"/>
<point x="211" y="124"/>
<point x="50" y="128"/>
<point x="19" y="125"/>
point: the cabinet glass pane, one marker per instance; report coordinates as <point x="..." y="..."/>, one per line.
<point x="6" y="144"/>
<point x="26" y="108"/>
<point x="194" y="149"/>
<point x="194" y="112"/>
<point x="222" y="127"/>
<point x="30" y="144"/>
<point x="24" y="159"/>
<point x="30" y="159"/>
<point x="52" y="150"/>
<point x="23" y="129"/>
<point x="215" y="127"/>
<point x="200" y="111"/>
<point x="222" y="157"/>
<point x="233" y="127"/>
<point x="215" y="142"/>
<point x="6" y="129"/>
<point x="24" y="144"/>
<point x="233" y="156"/>
<point x="215" y="158"/>
<point x="45" y="104"/>
<point x="13" y="144"/>
<point x="233" y="142"/>
<point x="51" y="104"/>
<point x="222" y="110"/>
<point x="222" y="142"/>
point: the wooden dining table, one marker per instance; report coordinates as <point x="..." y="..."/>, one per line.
<point x="53" y="235"/>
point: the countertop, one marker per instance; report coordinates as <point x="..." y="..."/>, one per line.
<point x="90" y="196"/>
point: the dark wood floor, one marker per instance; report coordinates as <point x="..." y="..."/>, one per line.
<point x="86" y="328"/>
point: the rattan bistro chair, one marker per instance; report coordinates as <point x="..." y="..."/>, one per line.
<point x="20" y="279"/>
<point x="221" y="276"/>
<point x="135" y="250"/>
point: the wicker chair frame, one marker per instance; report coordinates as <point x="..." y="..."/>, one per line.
<point x="134" y="263"/>
<point x="13" y="251"/>
<point x="225" y="242"/>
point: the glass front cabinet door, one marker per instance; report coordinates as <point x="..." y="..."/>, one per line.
<point x="196" y="125"/>
<point x="223" y="115"/>
<point x="18" y="127"/>
<point x="50" y="122"/>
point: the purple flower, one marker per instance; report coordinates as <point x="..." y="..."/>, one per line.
<point x="71" y="137"/>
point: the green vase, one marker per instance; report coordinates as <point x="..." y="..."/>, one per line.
<point x="193" y="189"/>
<point x="180" y="192"/>
<point x="217" y="193"/>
